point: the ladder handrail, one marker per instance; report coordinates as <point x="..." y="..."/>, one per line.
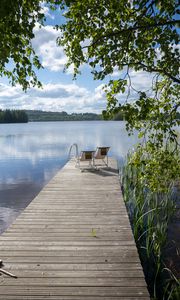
<point x="77" y="152"/>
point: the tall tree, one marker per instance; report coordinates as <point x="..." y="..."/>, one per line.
<point x="121" y="34"/>
<point x="139" y="35"/>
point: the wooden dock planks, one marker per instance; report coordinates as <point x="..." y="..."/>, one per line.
<point x="74" y="241"/>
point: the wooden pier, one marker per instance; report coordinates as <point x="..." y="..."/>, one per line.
<point x="73" y="242"/>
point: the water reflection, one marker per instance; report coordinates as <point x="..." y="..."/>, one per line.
<point x="30" y="154"/>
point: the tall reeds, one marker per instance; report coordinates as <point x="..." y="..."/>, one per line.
<point x="150" y="213"/>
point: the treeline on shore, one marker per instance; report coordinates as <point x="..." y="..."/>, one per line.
<point x="13" y="116"/>
<point x="23" y="116"/>
<point x="38" y="116"/>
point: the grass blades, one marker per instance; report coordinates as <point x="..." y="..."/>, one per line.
<point x="150" y="213"/>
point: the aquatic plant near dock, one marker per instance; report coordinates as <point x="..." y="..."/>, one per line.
<point x="148" y="194"/>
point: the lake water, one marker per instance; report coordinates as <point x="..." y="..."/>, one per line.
<point x="30" y="154"/>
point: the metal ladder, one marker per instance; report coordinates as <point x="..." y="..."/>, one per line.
<point x="74" y="146"/>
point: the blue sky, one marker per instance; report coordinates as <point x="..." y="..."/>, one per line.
<point x="60" y="92"/>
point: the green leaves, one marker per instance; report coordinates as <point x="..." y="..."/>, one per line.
<point x="17" y="21"/>
<point x="139" y="35"/>
<point x="158" y="168"/>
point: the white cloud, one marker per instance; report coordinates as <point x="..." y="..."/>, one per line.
<point x="44" y="43"/>
<point x="9" y="92"/>
<point x="99" y="92"/>
<point x="53" y="97"/>
<point x="66" y="97"/>
<point x="141" y="80"/>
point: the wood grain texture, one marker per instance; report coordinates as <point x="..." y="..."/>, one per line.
<point x="73" y="242"/>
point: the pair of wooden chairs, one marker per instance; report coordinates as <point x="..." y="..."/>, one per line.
<point x="101" y="153"/>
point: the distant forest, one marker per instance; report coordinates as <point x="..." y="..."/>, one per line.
<point x="13" y="116"/>
<point x="23" y="116"/>
<point x="38" y="116"/>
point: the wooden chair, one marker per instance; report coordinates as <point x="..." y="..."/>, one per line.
<point x="102" y="153"/>
<point x="86" y="156"/>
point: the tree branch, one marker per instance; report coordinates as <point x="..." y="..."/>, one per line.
<point x="147" y="26"/>
<point x="154" y="69"/>
<point x="131" y="29"/>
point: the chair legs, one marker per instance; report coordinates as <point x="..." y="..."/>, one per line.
<point x="105" y="162"/>
<point x="90" y="165"/>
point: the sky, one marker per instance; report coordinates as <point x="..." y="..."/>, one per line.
<point x="60" y="92"/>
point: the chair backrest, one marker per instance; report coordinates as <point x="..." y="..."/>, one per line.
<point x="86" y="155"/>
<point x="101" y="152"/>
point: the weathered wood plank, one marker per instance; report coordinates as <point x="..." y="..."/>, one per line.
<point x="71" y="281"/>
<point x="39" y="259"/>
<point x="65" y="239"/>
<point x="124" y="274"/>
<point x="126" y="267"/>
<point x="69" y="250"/>
<point x="75" y="291"/>
<point x="50" y="297"/>
<point x="64" y="244"/>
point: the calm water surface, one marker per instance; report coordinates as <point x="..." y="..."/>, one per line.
<point x="30" y="154"/>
